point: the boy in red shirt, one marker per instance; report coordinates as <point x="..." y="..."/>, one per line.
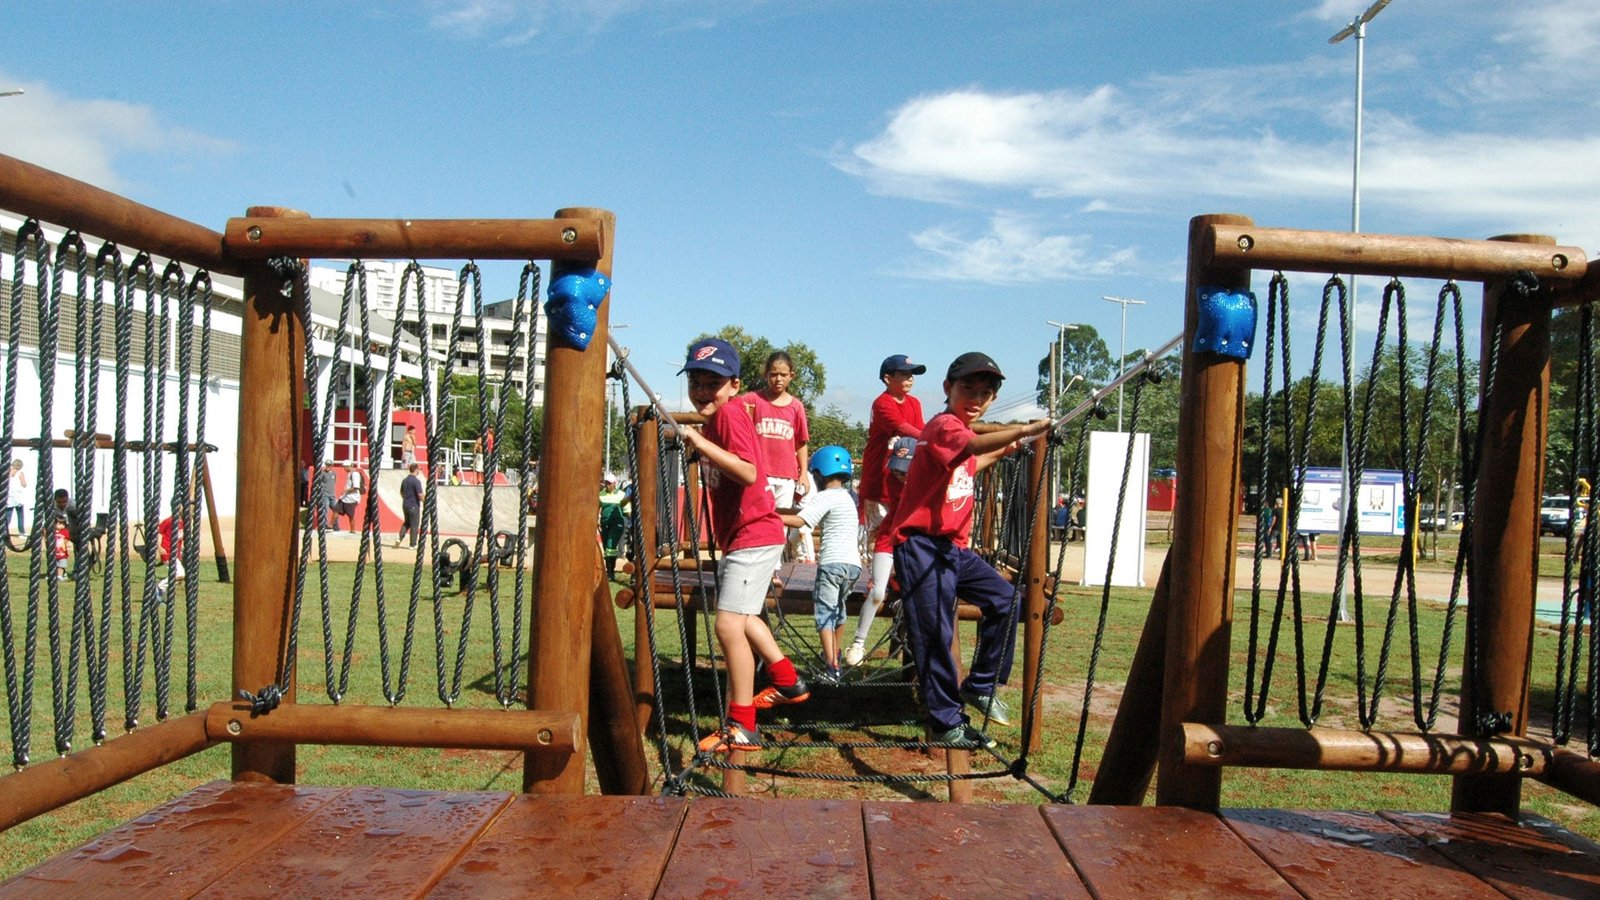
<point x="931" y="531"/>
<point x="895" y="414"/>
<point x="747" y="529"/>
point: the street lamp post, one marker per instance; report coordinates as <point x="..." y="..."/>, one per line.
<point x="610" y="402"/>
<point x="1358" y="28"/>
<point x="1058" y="352"/>
<point x="1122" y="346"/>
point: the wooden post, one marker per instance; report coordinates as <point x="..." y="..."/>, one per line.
<point x="1206" y="520"/>
<point x="1033" y="598"/>
<point x="569" y="501"/>
<point x="1505" y="530"/>
<point x="1130" y="755"/>
<point x="218" y="549"/>
<point x="614" y="738"/>
<point x="646" y="500"/>
<point x="272" y="375"/>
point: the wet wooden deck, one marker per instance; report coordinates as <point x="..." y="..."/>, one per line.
<point x="243" y="840"/>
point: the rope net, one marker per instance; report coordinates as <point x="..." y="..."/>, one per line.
<point x="117" y="350"/>
<point x="1409" y="427"/>
<point x="865" y="727"/>
<point x="430" y="591"/>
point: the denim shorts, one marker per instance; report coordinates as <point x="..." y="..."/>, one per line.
<point x="834" y="581"/>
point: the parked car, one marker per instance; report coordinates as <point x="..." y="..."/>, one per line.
<point x="1556" y="516"/>
<point x="1427" y="521"/>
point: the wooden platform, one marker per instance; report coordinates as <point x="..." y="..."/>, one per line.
<point x="243" y="840"/>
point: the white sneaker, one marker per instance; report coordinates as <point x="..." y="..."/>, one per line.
<point x="854" y="654"/>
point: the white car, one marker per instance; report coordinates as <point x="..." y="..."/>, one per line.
<point x="1556" y="513"/>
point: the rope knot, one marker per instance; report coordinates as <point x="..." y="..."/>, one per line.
<point x="263" y="701"/>
<point x="1493" y="723"/>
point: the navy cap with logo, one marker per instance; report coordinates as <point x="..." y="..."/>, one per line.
<point x="972" y="364"/>
<point x="900" y="363"/>
<point x="713" y="355"/>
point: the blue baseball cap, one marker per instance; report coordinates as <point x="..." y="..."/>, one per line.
<point x="713" y="355"/>
<point x="901" y="363"/>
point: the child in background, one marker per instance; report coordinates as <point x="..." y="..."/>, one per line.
<point x="746" y="527"/>
<point x="931" y="531"/>
<point x="781" y="425"/>
<point x="833" y="510"/>
<point x="896" y="414"/>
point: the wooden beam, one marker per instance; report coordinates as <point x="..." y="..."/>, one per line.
<point x="1129" y="759"/>
<point x="1574" y="773"/>
<point x="1205" y="528"/>
<point x="560" y="638"/>
<point x="1505" y="529"/>
<point x="30" y="190"/>
<point x="537" y="731"/>
<point x="1247" y="246"/>
<point x="615" y="741"/>
<point x="1330" y="749"/>
<point x="49" y="785"/>
<point x="576" y="237"/>
<point x="272" y="375"/>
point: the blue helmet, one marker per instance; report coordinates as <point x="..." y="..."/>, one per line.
<point x="831" y="461"/>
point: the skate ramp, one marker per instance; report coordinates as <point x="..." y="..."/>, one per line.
<point x="459" y="505"/>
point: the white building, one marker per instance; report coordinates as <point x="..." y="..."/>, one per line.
<point x="339" y="368"/>
<point x="441" y="296"/>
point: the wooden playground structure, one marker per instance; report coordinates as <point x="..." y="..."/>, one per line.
<point x="261" y="833"/>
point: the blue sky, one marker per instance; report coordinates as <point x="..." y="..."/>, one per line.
<point x="867" y="177"/>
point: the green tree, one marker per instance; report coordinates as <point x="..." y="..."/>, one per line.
<point x="457" y="418"/>
<point x="830" y="426"/>
<point x="810" y="376"/>
<point x="1083" y="353"/>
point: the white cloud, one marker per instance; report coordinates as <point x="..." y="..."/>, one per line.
<point x="517" y="22"/>
<point x="1014" y="251"/>
<point x="85" y="138"/>
<point x="1558" y="32"/>
<point x="1170" y="145"/>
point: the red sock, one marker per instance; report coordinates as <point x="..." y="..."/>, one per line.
<point x="742" y="715"/>
<point x="782" y="673"/>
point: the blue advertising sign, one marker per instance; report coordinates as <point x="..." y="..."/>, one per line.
<point x="1380" y="499"/>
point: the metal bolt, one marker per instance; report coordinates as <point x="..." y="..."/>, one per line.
<point x="253" y="233"/>
<point x="1246" y="242"/>
<point x="569" y="235"/>
<point x="234" y="727"/>
<point x="1214" y="748"/>
<point x="546" y="736"/>
<point x="1559" y="261"/>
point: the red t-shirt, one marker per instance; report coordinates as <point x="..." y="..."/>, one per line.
<point x="782" y="430"/>
<point x="890" y="419"/>
<point x="741" y="515"/>
<point x="938" y="497"/>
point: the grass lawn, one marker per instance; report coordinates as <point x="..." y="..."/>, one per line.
<point x="467" y="672"/>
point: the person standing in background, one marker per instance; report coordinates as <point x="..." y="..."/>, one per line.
<point x="16" y="491"/>
<point x="781" y="425"/>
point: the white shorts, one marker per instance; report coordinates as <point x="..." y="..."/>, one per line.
<point x="744" y="577"/>
<point x="782" y="490"/>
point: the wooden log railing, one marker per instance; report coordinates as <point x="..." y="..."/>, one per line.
<point x="30" y="190"/>
<point x="1193" y="612"/>
<point x="1362" y="751"/>
<point x="273" y="343"/>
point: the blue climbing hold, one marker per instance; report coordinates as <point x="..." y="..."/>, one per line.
<point x="575" y="298"/>
<point x="1227" y="322"/>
